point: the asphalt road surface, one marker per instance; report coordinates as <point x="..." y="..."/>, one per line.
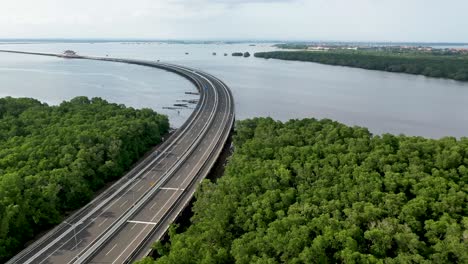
<point x="120" y="224"/>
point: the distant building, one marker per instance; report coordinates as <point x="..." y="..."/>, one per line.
<point x="315" y="48"/>
<point x="69" y="53"/>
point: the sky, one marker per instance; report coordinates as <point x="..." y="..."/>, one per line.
<point x="306" y="20"/>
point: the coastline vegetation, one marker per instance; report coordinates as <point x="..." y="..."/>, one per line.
<point x="317" y="191"/>
<point x="53" y="158"/>
<point x="438" y="65"/>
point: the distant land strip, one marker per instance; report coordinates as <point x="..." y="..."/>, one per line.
<point x="453" y="67"/>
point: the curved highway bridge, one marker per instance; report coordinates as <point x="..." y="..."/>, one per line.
<point x="120" y="224"/>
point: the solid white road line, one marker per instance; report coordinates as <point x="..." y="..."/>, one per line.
<point x="151" y="208"/>
<point x="111" y="249"/>
<point x="172" y="189"/>
<point x="75" y="246"/>
<point x="123" y="251"/>
<point x="100" y="224"/>
<point x="142" y="222"/>
<point x="168" y="200"/>
<point x="123" y="203"/>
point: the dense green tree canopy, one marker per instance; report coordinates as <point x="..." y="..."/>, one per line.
<point x="432" y="65"/>
<point x="310" y="191"/>
<point x="52" y="158"/>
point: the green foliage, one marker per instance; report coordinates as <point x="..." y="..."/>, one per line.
<point x="297" y="46"/>
<point x="52" y="158"/>
<point x="310" y="191"/>
<point x="432" y="65"/>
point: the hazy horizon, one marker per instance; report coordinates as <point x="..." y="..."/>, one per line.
<point x="415" y="21"/>
<point x="130" y="39"/>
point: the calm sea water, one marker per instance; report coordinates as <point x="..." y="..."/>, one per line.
<point x="381" y="101"/>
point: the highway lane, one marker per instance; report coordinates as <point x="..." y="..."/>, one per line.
<point x="157" y="233"/>
<point x="145" y="200"/>
<point x="121" y="247"/>
<point x="67" y="248"/>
